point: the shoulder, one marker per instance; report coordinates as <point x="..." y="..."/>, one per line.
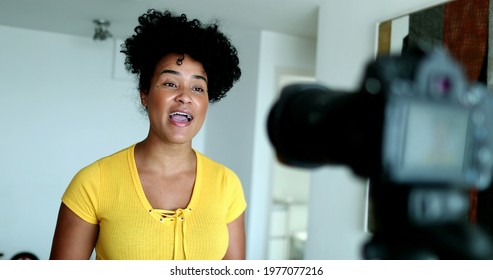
<point x="210" y="166"/>
<point x="93" y="171"/>
<point x="121" y="155"/>
<point x="223" y="186"/>
<point x="216" y="175"/>
<point x="82" y="195"/>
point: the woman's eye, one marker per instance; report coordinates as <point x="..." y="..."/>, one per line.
<point x="169" y="84"/>
<point x="198" y="89"/>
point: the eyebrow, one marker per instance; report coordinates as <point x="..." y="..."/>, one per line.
<point x="173" y="72"/>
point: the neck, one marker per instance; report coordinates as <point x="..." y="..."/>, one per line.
<point x="162" y="157"/>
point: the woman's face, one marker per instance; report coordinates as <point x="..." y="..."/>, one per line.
<point x="177" y="100"/>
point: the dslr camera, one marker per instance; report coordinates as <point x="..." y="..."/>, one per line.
<point x="419" y="131"/>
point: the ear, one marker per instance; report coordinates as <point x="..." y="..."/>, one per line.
<point x="143" y="98"/>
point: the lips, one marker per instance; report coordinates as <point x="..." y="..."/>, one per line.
<point x="180" y="117"/>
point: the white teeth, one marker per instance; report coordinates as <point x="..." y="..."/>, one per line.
<point x="181" y="114"/>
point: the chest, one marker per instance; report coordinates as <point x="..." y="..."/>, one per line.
<point x="168" y="192"/>
<point x="131" y="234"/>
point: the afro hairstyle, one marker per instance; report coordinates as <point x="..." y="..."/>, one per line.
<point x="162" y="33"/>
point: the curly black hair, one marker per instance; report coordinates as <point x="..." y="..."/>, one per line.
<point x="162" y="33"/>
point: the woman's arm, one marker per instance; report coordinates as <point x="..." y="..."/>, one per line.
<point x="236" y="248"/>
<point x="74" y="238"/>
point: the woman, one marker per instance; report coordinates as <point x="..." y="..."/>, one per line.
<point x="160" y="199"/>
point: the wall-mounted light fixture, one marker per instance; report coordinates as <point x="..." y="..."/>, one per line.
<point x="101" y="31"/>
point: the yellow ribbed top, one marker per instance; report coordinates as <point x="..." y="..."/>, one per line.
<point x="109" y="193"/>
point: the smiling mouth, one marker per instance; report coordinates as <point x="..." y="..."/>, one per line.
<point x="180" y="117"/>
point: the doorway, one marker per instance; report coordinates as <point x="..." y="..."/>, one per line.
<point x="290" y="188"/>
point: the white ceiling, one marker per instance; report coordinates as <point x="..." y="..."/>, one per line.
<point x="297" y="17"/>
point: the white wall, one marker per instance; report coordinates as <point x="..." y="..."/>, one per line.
<point x="231" y="121"/>
<point x="346" y="42"/>
<point x="60" y="109"/>
<point x="277" y="51"/>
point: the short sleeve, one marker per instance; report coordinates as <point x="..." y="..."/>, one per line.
<point x="81" y="194"/>
<point x="237" y="203"/>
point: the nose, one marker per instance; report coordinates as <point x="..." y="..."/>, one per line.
<point x="183" y="97"/>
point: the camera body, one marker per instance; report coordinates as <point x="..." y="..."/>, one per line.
<point x="414" y="120"/>
<point x="438" y="128"/>
<point x="419" y="131"/>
